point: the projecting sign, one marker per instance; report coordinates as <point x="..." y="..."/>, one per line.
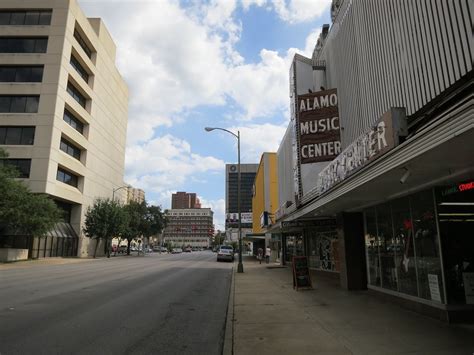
<point x="318" y="126"/>
<point x="382" y="137"/>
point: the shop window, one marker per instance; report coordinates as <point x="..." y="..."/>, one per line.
<point x="323" y="250"/>
<point x="404" y="247"/>
<point x="294" y="246"/>
<point x="372" y="244"/>
<point x="388" y="248"/>
<point x="428" y="262"/>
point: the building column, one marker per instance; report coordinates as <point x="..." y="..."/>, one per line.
<point x="353" y="268"/>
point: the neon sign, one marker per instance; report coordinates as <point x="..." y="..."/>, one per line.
<point x="466" y="187"/>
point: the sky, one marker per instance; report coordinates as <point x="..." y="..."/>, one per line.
<point x="191" y="64"/>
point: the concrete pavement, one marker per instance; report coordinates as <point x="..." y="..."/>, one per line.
<point x="268" y="317"/>
<point x="158" y="304"/>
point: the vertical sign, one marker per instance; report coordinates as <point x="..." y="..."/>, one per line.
<point x="318" y="126"/>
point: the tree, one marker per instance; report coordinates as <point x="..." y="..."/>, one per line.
<point x="155" y="221"/>
<point x="135" y="221"/>
<point x="104" y="220"/>
<point x="143" y="221"/>
<point x="21" y="211"/>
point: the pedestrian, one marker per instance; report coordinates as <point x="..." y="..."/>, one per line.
<point x="268" y="252"/>
<point x="260" y="254"/>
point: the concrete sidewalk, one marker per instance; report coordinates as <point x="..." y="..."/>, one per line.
<point x="268" y="317"/>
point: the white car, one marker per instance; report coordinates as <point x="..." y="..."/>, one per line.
<point x="225" y="252"/>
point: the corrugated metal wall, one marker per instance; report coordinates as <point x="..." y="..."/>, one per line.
<point x="385" y="53"/>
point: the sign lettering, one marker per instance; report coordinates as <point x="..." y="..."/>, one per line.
<point x="318" y="126"/>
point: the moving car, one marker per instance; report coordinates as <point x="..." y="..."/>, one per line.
<point x="225" y="252"/>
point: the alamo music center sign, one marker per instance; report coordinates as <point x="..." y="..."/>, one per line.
<point x="318" y="123"/>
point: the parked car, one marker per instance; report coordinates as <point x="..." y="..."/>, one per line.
<point x="176" y="251"/>
<point x="156" y="248"/>
<point x="122" y="249"/>
<point x="225" y="252"/>
<point x="188" y="250"/>
<point x="164" y="249"/>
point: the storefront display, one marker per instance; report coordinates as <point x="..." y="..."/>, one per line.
<point x="402" y="247"/>
<point x="323" y="249"/>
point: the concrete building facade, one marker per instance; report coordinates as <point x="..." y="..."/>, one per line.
<point x="60" y="89"/>
<point x="247" y="172"/>
<point x="392" y="211"/>
<point x="189" y="227"/>
<point x="183" y="199"/>
<point x="136" y="195"/>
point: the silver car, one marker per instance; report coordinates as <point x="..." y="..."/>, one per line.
<point x="225" y="252"/>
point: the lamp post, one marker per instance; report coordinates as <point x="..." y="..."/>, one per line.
<point x="240" y="266"/>
<point x="115" y="190"/>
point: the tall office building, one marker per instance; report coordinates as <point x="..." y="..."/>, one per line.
<point x="189" y="227"/>
<point x="63" y="113"/>
<point x="135" y="195"/>
<point x="247" y="177"/>
<point x="185" y="200"/>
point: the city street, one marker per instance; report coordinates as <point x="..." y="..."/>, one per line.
<point x="163" y="304"/>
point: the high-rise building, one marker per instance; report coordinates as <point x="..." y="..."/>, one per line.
<point x="189" y="227"/>
<point x="247" y="177"/>
<point x="185" y="200"/>
<point x="63" y="113"/>
<point x="135" y="195"/>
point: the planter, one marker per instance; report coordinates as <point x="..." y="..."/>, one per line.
<point x="13" y="254"/>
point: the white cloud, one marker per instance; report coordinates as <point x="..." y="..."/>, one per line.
<point x="292" y="11"/>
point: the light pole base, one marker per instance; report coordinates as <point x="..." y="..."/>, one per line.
<point x="240" y="268"/>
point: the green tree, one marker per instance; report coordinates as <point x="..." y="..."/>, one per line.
<point x="143" y="221"/>
<point x="21" y="211"/>
<point x="135" y="221"/>
<point x="105" y="219"/>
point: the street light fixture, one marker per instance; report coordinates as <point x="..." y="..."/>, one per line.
<point x="240" y="266"/>
<point x="118" y="188"/>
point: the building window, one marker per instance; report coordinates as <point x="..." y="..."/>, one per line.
<point x="17" y="135"/>
<point x="79" y="68"/>
<point x="68" y="148"/>
<point x="76" y="95"/>
<point x="28" y="18"/>
<point x="23" y="44"/>
<point x="22" y="166"/>
<point x="69" y="118"/>
<point x="21" y="74"/>
<point x="18" y="104"/>
<point x="67" y="177"/>
<point x="82" y="43"/>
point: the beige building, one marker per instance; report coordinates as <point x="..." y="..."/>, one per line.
<point x="135" y="195"/>
<point x="63" y="111"/>
<point x="189" y="227"/>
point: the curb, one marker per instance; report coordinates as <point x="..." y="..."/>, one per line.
<point x="228" y="348"/>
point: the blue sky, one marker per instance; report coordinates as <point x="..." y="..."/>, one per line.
<point x="191" y="64"/>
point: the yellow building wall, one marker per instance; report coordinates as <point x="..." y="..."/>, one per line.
<point x="265" y="190"/>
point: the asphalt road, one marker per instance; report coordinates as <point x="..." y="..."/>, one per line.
<point x="157" y="304"/>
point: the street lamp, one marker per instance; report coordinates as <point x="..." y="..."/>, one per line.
<point x="115" y="190"/>
<point x="240" y="266"/>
